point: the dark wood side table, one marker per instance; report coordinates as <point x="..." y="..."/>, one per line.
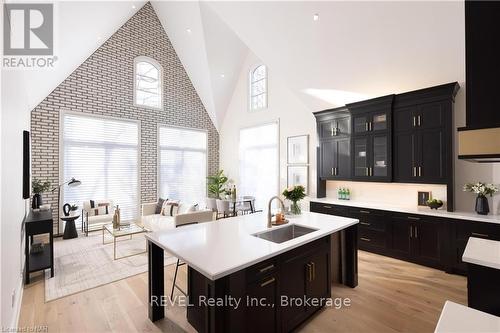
<point x="69" y="228"/>
<point x="37" y="223"/>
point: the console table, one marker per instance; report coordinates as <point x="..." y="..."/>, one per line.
<point x="37" y="223"/>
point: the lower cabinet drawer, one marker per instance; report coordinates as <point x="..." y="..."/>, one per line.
<point x="330" y="209"/>
<point x="371" y="238"/>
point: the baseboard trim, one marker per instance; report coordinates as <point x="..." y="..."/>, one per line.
<point x="17" y="305"/>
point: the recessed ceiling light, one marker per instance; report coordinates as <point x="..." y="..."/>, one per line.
<point x="188" y="30"/>
<point x="99" y="37"/>
<point x="133" y="6"/>
<point x="316" y="17"/>
<point x="222" y="76"/>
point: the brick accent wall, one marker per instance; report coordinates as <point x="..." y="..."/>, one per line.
<point x="103" y="85"/>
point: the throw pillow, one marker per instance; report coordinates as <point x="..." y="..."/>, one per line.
<point x="159" y="205"/>
<point x="170" y="208"/>
<point x="187" y="208"/>
<point x="102" y="208"/>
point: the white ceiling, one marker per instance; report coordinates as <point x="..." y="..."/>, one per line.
<point x="356" y="50"/>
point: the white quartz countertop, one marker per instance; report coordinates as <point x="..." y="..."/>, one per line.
<point x="412" y="210"/>
<point x="219" y="248"/>
<point x="457" y="318"/>
<point x="484" y="252"/>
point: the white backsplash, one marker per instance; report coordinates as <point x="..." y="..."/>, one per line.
<point x="404" y="195"/>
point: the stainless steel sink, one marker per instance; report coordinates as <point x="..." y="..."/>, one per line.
<point x="284" y="234"/>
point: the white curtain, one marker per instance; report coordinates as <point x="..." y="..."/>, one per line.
<point x="183" y="164"/>
<point x="259" y="174"/>
<point x="103" y="154"/>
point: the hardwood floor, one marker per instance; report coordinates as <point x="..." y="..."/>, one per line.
<point x="392" y="296"/>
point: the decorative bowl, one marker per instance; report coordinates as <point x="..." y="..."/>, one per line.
<point x="435" y="205"/>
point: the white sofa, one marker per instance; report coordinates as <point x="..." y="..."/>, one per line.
<point x="93" y="222"/>
<point x="156" y="222"/>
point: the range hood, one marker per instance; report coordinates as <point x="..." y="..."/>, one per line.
<point x="479" y="145"/>
<point x="479" y="140"/>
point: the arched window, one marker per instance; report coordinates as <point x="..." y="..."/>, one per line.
<point x="147" y="82"/>
<point x="258" y="88"/>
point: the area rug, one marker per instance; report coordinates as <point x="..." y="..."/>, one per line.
<point x="83" y="263"/>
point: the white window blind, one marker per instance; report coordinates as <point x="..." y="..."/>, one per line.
<point x="258" y="88"/>
<point x="103" y="154"/>
<point x="259" y="172"/>
<point x="183" y="164"/>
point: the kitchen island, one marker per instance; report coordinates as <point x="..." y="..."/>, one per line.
<point x="237" y="259"/>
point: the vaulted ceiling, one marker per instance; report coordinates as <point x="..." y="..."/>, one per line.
<point x="354" y="51"/>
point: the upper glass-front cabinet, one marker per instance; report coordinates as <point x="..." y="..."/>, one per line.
<point x="370" y="123"/>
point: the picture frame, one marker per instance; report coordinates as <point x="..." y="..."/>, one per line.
<point x="298" y="175"/>
<point x="298" y="149"/>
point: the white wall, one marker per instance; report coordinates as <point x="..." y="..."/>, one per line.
<point x="294" y="118"/>
<point x="15" y="119"/>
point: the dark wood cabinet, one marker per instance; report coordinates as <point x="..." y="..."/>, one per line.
<point x="420" y="144"/>
<point x="262" y="318"/>
<point x="334" y="127"/>
<point x="417" y="238"/>
<point x="335" y="158"/>
<point x="272" y="292"/>
<point x="371" y="139"/>
<point x="307" y="275"/>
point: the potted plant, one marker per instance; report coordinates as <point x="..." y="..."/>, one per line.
<point x="482" y="190"/>
<point x="216" y="184"/>
<point x="295" y="194"/>
<point x="38" y="187"/>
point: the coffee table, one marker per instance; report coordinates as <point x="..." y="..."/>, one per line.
<point x="124" y="231"/>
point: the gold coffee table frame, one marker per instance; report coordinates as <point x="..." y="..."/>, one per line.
<point x="123" y="231"/>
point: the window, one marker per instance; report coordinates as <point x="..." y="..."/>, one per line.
<point x="182" y="172"/>
<point x="147" y="83"/>
<point x="103" y="154"/>
<point x="258" y="88"/>
<point x="259" y="172"/>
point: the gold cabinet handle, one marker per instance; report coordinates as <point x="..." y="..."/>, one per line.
<point x="420" y="171"/>
<point x="331" y="131"/>
<point x="479" y="235"/>
<point x="309" y="272"/>
<point x="325" y="206"/>
<point x="332" y="171"/>
<point x="411" y="231"/>
<point x="416" y="232"/>
<point x="365" y="211"/>
<point x="371" y="171"/>
<point x="419" y="120"/>
<point x="367" y="172"/>
<point x="265" y="283"/>
<point x="414" y="171"/>
<point x="413" y="218"/>
<point x="414" y="121"/>
<point x="365" y="223"/>
<point x="265" y="269"/>
<point x="370" y="126"/>
<point x="365" y="239"/>
<point x="366" y="126"/>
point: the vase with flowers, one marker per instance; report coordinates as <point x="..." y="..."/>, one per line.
<point x="295" y="194"/>
<point x="482" y="190"/>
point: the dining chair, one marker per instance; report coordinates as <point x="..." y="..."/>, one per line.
<point x="223" y="208"/>
<point x="212" y="204"/>
<point x="245" y="207"/>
